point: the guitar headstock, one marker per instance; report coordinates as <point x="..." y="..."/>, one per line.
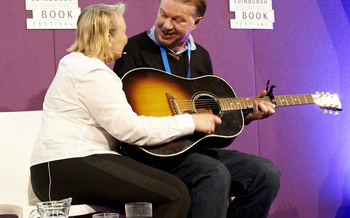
<point x="327" y="102"/>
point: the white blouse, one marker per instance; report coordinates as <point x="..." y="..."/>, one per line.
<point x="85" y="109"/>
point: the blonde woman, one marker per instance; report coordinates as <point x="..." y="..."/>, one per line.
<point x="85" y="111"/>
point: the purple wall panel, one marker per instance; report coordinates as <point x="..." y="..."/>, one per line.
<point x="26" y="62"/>
<point x="307" y="51"/>
<point x="63" y="40"/>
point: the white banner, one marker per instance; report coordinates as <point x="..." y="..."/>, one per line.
<point x="255" y="15"/>
<point x="239" y="4"/>
<point x="33" y="4"/>
<point x="56" y="14"/>
<point x="239" y="24"/>
<point x="51" y="24"/>
<point x="252" y="14"/>
<point x="53" y="14"/>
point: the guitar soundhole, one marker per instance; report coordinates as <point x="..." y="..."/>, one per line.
<point x="206" y="102"/>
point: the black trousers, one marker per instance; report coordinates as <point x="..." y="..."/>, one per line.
<point x="111" y="181"/>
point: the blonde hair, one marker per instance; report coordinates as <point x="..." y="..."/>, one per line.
<point x="94" y="25"/>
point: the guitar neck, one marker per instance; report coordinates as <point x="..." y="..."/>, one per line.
<point x="247" y="103"/>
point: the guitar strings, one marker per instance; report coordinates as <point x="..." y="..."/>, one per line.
<point x="222" y="100"/>
<point x="241" y="103"/>
<point x="236" y="103"/>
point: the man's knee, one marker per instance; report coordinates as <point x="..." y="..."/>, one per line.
<point x="271" y="175"/>
<point x="220" y="177"/>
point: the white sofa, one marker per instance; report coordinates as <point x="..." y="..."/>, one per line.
<point x="18" y="131"/>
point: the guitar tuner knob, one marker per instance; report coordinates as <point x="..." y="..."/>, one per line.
<point x="324" y="111"/>
<point x="336" y="113"/>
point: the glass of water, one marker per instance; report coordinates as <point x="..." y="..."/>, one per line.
<point x="138" y="210"/>
<point x="105" y="215"/>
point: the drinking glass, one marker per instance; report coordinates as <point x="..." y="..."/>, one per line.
<point x="50" y="209"/>
<point x="138" y="210"/>
<point x="106" y="215"/>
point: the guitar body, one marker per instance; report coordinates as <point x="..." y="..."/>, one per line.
<point x="146" y="89"/>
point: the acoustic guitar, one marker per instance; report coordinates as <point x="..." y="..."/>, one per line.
<point x="152" y="92"/>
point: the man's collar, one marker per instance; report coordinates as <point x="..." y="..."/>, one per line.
<point x="152" y="35"/>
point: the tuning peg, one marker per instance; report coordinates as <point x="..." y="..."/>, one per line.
<point x="330" y="112"/>
<point x="336" y="113"/>
<point x="324" y="111"/>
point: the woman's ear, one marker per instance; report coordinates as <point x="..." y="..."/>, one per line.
<point x="110" y="38"/>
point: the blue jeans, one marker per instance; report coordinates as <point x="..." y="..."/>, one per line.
<point x="212" y="175"/>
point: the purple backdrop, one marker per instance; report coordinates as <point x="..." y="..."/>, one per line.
<point x="307" y="51"/>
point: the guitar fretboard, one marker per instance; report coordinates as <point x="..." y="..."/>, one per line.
<point x="247" y="103"/>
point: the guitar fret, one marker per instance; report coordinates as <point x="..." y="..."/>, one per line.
<point x="281" y="100"/>
<point x="250" y="103"/>
<point x="245" y="103"/>
<point x="230" y="104"/>
<point x="227" y="104"/>
<point x="305" y="98"/>
<point x="224" y="104"/>
<point x="234" y="104"/>
<point x="239" y="104"/>
<point x="295" y="99"/>
<point x="286" y="100"/>
<point x="221" y="104"/>
<point x="292" y="100"/>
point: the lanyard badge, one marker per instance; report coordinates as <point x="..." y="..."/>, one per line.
<point x="166" y="62"/>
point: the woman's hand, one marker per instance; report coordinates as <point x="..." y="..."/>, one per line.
<point x="205" y="122"/>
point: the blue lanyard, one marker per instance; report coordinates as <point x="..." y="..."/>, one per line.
<point x="166" y="62"/>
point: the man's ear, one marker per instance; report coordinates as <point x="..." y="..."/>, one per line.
<point x="197" y="22"/>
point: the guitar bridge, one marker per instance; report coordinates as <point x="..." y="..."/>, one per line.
<point x="172" y="103"/>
